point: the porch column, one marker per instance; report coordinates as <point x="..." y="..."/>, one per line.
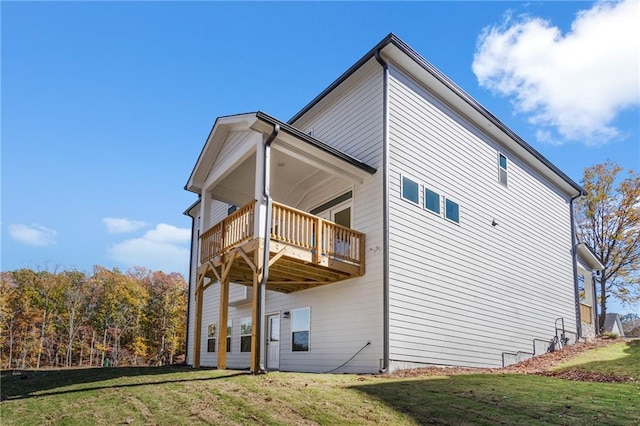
<point x="222" y="327"/>
<point x="198" y="331"/>
<point x="256" y="311"/>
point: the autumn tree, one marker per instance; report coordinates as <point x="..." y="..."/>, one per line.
<point x="608" y="220"/>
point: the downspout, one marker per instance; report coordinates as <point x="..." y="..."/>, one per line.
<point x="262" y="290"/>
<point x="385" y="211"/>
<point x="594" y="302"/>
<point x="186" y="339"/>
<point x="574" y="253"/>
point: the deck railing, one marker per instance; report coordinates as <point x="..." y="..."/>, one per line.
<point x="585" y="313"/>
<point x="228" y="233"/>
<point x="290" y="226"/>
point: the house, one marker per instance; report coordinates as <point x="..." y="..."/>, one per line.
<point x="393" y="222"/>
<point x="613" y="325"/>
<point x="589" y="266"/>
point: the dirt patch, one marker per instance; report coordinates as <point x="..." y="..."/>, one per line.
<point x="539" y="365"/>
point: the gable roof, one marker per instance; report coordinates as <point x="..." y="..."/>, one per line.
<point x="259" y="121"/>
<point x="610" y="320"/>
<point x="401" y="54"/>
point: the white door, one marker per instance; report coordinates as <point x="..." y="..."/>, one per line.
<point x="273" y="341"/>
<point x="340" y="214"/>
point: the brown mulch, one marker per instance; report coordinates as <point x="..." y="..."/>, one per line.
<point x="539" y="365"/>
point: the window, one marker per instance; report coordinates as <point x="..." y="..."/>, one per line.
<point x="410" y="190"/>
<point x="231" y="209"/>
<point x="452" y="210"/>
<point x="502" y="169"/>
<point x="229" y="333"/>
<point x="211" y="337"/>
<point x="245" y="334"/>
<point x="300" y="325"/>
<point x="432" y="201"/>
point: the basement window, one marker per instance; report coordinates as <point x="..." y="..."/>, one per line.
<point x="245" y="334"/>
<point x="432" y="201"/>
<point x="451" y="210"/>
<point x="300" y="326"/>
<point x="211" y="337"/>
<point x="410" y="190"/>
<point x="502" y="169"/>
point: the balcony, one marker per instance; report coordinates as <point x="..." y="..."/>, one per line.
<point x="305" y="251"/>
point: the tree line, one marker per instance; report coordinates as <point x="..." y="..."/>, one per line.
<point x="70" y="318"/>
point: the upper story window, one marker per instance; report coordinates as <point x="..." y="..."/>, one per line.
<point x="452" y="210"/>
<point x="410" y="190"/>
<point x="231" y="209"/>
<point x="432" y="201"/>
<point x="502" y="169"/>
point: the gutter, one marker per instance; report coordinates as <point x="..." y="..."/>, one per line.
<point x="574" y="253"/>
<point x="262" y="288"/>
<point x="385" y="210"/>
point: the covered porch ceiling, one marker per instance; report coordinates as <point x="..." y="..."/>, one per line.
<point x="291" y="179"/>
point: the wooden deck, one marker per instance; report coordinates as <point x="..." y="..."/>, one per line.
<point x="305" y="251"/>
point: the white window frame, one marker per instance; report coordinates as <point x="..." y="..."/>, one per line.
<point x="414" y="180"/>
<point x="446" y="198"/>
<point x="440" y="198"/>
<point x="293" y="311"/>
<point x="229" y="334"/>
<point x="503" y="169"/>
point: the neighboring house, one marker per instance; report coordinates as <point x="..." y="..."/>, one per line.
<point x="588" y="267"/>
<point x="613" y="325"/>
<point x="393" y="222"/>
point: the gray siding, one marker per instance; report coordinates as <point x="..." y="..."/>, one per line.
<point x="464" y="294"/>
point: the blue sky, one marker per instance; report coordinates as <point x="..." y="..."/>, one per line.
<point x="106" y="106"/>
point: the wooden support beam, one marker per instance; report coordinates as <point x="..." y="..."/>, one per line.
<point x="198" y="321"/>
<point x="246" y="258"/>
<point x="222" y="324"/>
<point x="256" y="314"/>
<point x="278" y="255"/>
<point x="215" y="272"/>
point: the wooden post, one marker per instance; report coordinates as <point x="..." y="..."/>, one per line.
<point x="317" y="243"/>
<point x="222" y="327"/>
<point x="256" y="312"/>
<point x="198" y="330"/>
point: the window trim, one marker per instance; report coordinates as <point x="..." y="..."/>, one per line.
<point x="308" y="330"/>
<point x="229" y="334"/>
<point x="417" y="182"/>
<point x="212" y="331"/>
<point x="440" y="197"/>
<point x="245" y="335"/>
<point x="446" y="198"/>
<point x="506" y="169"/>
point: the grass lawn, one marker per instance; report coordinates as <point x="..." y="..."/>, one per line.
<point x="182" y="396"/>
<point x="620" y="358"/>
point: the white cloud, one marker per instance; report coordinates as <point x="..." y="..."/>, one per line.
<point x="575" y="83"/>
<point x="34" y="235"/>
<point x="165" y="248"/>
<point x="121" y="225"/>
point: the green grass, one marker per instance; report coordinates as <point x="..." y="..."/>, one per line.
<point x="621" y="359"/>
<point x="181" y="396"/>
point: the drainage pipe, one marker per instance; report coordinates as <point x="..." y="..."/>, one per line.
<point x="574" y="253"/>
<point x="262" y="289"/>
<point x="385" y="210"/>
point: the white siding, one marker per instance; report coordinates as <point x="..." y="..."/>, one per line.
<point x="464" y="294"/>
<point x="218" y="212"/>
<point x="350" y="118"/>
<point x="345" y="315"/>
